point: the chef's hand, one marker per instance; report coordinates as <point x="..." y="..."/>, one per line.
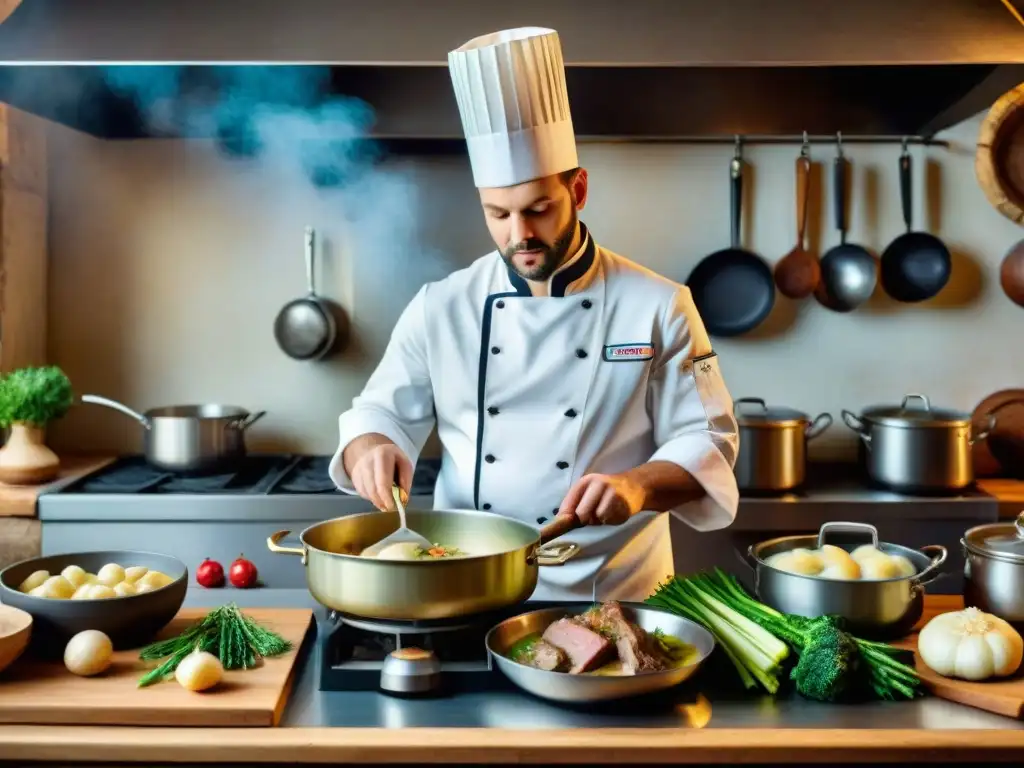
<point x="378" y="468"/>
<point x="603" y="499"/>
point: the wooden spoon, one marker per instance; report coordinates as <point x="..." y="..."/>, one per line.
<point x="798" y="273"/>
<point x="1011" y="274"/>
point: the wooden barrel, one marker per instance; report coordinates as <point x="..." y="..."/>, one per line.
<point x="999" y="160"/>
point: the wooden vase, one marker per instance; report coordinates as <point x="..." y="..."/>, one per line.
<point x="25" y="459"/>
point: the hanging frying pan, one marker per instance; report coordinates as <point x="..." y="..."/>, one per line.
<point x="733" y="289"/>
<point x="916" y="265"/>
<point x="849" y="272"/>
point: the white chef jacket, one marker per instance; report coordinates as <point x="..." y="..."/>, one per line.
<point x="611" y="370"/>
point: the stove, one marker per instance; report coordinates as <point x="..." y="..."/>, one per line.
<point x="409" y="658"/>
<point x="254" y="475"/>
<point x="267" y="486"/>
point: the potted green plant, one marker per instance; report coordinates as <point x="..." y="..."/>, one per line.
<point x="30" y="398"/>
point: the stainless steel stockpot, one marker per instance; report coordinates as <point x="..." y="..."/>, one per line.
<point x="773" y="445"/>
<point x="994" y="569"/>
<point x="919" y="448"/>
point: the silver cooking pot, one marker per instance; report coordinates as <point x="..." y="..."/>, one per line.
<point x="190" y="438"/>
<point x="879" y="608"/>
<point x="911" y="449"/>
<point x="994" y="569"/>
<point x="773" y="445"/>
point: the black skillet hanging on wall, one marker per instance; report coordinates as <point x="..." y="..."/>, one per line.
<point x="733" y="288"/>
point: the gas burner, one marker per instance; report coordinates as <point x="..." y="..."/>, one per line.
<point x="394" y="627"/>
<point x="404" y="658"/>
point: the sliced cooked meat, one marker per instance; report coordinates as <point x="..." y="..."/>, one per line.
<point x="544" y="655"/>
<point x="585" y="648"/>
<point x="637" y="651"/>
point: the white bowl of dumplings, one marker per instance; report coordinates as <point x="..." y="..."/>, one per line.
<point x="865" y="563"/>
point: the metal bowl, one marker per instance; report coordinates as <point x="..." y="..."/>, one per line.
<point x="129" y="622"/>
<point x="563" y="687"/>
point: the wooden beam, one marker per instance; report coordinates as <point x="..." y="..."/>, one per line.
<point x="979" y="98"/>
<point x="23" y="239"/>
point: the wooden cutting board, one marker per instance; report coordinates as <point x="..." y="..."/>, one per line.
<point x="44" y="692"/>
<point x="1003" y="697"/>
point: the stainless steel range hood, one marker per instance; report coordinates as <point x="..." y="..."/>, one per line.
<point x="640" y="69"/>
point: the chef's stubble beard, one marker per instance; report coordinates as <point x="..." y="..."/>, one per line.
<point x="553" y="256"/>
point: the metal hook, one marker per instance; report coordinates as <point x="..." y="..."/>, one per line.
<point x="839" y="143"/>
<point x="805" y="149"/>
<point x="739" y="147"/>
<point x="903" y="143"/>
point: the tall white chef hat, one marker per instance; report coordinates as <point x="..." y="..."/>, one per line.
<point x="510" y="87"/>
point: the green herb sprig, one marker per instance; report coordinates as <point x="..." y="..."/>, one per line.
<point x="34" y="396"/>
<point x="226" y="632"/>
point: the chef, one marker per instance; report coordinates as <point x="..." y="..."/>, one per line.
<point x="563" y="379"/>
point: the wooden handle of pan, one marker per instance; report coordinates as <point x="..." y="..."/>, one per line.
<point x="560" y="526"/>
<point x="803" y="176"/>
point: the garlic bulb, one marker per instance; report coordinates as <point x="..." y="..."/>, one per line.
<point x="198" y="671"/>
<point x="970" y="644"/>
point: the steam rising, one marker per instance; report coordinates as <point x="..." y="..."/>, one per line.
<point x="289" y="118"/>
<point x="275" y="113"/>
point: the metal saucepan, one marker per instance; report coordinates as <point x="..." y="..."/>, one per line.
<point x="849" y="272"/>
<point x="305" y="328"/>
<point x="917" y="450"/>
<point x="916" y="265"/>
<point x="994" y="569"/>
<point x="733" y="289"/>
<point x="563" y="687"/>
<point x="501" y="569"/>
<point x="190" y="438"/>
<point x="773" y="445"/>
<point x="886" y="607"/>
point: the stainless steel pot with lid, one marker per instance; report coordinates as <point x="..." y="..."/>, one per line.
<point x="773" y="445"/>
<point x="916" y="447"/>
<point x="994" y="569"/>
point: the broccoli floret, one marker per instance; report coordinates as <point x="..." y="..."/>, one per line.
<point x="828" y="662"/>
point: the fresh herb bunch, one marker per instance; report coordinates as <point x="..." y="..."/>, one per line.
<point x="833" y="665"/>
<point x="226" y="632"/>
<point x="34" y="396"/>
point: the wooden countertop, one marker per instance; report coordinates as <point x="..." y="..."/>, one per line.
<point x="694" y="744"/>
<point x="20" y="500"/>
<point x="490" y="746"/>
<point x="1009" y="493"/>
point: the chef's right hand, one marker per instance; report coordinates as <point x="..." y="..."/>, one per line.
<point x="378" y="468"/>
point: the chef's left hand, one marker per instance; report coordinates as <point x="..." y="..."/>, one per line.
<point x="603" y="499"/>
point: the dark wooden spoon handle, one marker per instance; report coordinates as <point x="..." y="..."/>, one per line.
<point x="560" y="526"/>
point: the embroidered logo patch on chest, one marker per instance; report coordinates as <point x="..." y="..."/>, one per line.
<point x="621" y="353"/>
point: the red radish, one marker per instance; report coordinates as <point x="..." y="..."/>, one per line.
<point x="242" y="573"/>
<point x="210" y="573"/>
